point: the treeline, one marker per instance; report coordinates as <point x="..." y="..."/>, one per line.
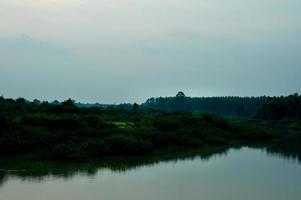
<point x="225" y="106"/>
<point x="278" y="108"/>
<point x="66" y="131"/>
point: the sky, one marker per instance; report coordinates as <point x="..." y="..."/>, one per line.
<point x="114" y="51"/>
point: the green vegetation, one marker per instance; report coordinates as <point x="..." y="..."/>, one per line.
<point x="224" y="106"/>
<point x="264" y="107"/>
<point x="67" y="132"/>
<point x="281" y="108"/>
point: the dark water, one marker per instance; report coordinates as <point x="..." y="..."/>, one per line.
<point x="244" y="173"/>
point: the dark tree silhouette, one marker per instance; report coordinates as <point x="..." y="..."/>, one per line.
<point x="276" y="108"/>
<point x="135" y="106"/>
<point x="180" y="94"/>
<point x="68" y="103"/>
<point x="226" y="106"/>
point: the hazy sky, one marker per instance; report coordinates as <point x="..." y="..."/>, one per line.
<point x="128" y="50"/>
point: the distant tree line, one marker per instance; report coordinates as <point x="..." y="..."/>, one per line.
<point x="264" y="107"/>
<point x="225" y="106"/>
<point x="277" y="108"/>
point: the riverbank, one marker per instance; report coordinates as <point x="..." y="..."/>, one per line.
<point x="66" y="132"/>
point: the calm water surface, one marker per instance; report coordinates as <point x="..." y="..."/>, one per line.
<point x="244" y="173"/>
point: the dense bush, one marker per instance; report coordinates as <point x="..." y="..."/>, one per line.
<point x="277" y="108"/>
<point x="64" y="131"/>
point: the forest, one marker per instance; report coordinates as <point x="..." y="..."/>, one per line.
<point x="224" y="106"/>
<point x="65" y="131"/>
<point x="264" y="107"/>
<point x="281" y="108"/>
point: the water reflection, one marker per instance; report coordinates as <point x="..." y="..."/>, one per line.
<point x="39" y="171"/>
<point x="289" y="148"/>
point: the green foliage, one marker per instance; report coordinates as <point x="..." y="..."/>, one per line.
<point x="225" y="106"/>
<point x="120" y="144"/>
<point x="67" y="132"/>
<point x="278" y="108"/>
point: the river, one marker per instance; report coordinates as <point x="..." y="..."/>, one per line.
<point x="237" y="173"/>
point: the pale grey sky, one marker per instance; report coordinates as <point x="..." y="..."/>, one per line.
<point x="128" y="50"/>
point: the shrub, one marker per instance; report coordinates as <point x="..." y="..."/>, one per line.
<point x="126" y="145"/>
